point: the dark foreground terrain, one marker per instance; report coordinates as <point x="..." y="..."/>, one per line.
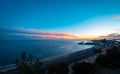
<point x="108" y="63"/>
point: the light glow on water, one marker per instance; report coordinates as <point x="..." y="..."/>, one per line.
<point x="40" y="49"/>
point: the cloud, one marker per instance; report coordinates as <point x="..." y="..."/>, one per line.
<point x="20" y="32"/>
<point x="117" y="30"/>
<point x="111" y="36"/>
<point x="117" y="17"/>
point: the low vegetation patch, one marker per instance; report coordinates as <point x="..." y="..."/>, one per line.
<point x="58" y="68"/>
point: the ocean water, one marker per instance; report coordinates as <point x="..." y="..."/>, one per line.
<point x="11" y="49"/>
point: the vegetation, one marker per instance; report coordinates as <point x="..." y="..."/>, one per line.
<point x="58" y="68"/>
<point x="27" y="66"/>
<point x="83" y="68"/>
<point x="111" y="59"/>
<point x="97" y="51"/>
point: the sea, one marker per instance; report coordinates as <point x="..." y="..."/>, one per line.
<point x="42" y="49"/>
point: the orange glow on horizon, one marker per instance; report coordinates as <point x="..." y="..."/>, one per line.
<point x="86" y="38"/>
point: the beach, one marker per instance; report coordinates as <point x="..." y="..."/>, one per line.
<point x="70" y="58"/>
<point x="83" y="55"/>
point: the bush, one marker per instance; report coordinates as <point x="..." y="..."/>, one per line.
<point x="58" y="68"/>
<point x="97" y="51"/>
<point x="111" y="59"/>
<point x="83" y="68"/>
<point x="102" y="60"/>
<point x="113" y="54"/>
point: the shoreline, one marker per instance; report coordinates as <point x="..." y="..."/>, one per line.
<point x="48" y="59"/>
<point x="68" y="58"/>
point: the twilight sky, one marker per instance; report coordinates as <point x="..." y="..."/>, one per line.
<point x="59" y="19"/>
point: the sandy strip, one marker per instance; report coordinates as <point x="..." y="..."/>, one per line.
<point x="67" y="57"/>
<point x="79" y="55"/>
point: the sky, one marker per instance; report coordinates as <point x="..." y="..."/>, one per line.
<point x="59" y="19"/>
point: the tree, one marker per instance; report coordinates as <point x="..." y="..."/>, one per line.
<point x="27" y="65"/>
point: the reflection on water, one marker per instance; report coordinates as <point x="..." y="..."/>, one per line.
<point x="9" y="50"/>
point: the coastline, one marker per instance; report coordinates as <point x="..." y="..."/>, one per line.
<point x="68" y="58"/>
